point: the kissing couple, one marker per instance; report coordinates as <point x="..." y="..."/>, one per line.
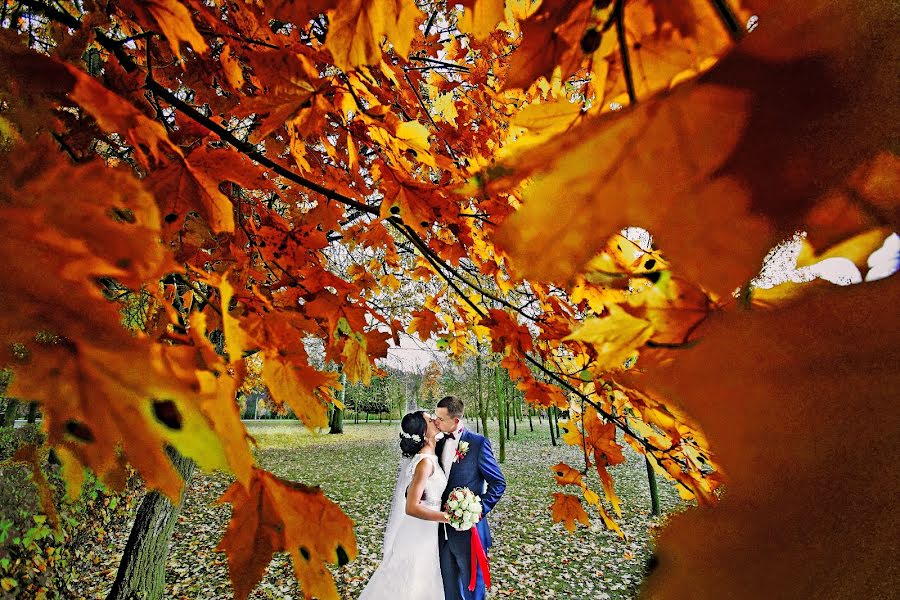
<point x="426" y="558"/>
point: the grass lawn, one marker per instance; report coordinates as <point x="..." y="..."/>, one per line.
<point x="531" y="557"/>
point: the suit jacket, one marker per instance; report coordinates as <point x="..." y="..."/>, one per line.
<point x="477" y="470"/>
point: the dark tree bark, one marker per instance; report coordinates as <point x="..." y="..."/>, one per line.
<point x="550" y="415"/>
<point x="32" y="412"/>
<point x="9" y="415"/>
<point x="654" y="488"/>
<point x="142" y="571"/>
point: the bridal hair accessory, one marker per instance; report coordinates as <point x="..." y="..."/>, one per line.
<point x="411" y="436"/>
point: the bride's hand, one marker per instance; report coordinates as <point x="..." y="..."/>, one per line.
<point x="445" y="518"/>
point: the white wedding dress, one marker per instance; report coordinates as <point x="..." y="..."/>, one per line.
<point x="411" y="568"/>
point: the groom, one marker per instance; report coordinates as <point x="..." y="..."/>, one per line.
<point x="468" y="461"/>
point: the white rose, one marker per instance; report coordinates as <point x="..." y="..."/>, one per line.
<point x="453" y="504"/>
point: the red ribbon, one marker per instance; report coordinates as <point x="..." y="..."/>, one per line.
<point x="479" y="558"/>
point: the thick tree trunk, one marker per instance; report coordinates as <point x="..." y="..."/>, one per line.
<point x="550" y="415"/>
<point x="654" y="488"/>
<point x="32" y="412"/>
<point x="9" y="415"/>
<point x="500" y="418"/>
<point x="142" y="571"/>
<point x="482" y="409"/>
<point x="337" y="415"/>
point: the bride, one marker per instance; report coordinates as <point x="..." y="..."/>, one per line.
<point x="411" y="568"/>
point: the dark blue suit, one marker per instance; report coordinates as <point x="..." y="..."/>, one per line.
<point x="477" y="468"/>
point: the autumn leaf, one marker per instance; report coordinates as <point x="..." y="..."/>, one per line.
<point x="567" y="509"/>
<point x="425" y="323"/>
<point x="615" y="337"/>
<point x="840" y="378"/>
<point x="550" y="37"/>
<point x="274" y="515"/>
<point x="356" y="359"/>
<point x="358" y="27"/>
<point x="506" y="333"/>
<point x="705" y="145"/>
<point x="173" y="19"/>
<point x="566" y="475"/>
<point x="303" y="388"/>
<point x="481" y="17"/>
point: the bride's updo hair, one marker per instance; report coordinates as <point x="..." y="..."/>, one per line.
<point x="412" y="433"/>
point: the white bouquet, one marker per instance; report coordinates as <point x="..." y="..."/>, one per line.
<point x="464" y="509"/>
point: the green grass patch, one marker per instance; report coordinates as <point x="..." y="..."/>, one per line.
<point x="531" y="557"/>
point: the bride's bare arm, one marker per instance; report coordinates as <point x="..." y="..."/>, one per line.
<point x="413" y="507"/>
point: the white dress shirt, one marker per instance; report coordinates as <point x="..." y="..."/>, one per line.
<point x="449" y="453"/>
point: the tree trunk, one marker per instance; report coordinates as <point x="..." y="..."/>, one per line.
<point x="550" y="415"/>
<point x="500" y="417"/>
<point x="654" y="489"/>
<point x="12" y="410"/>
<point x="482" y="409"/>
<point x="337" y="415"/>
<point x="142" y="571"/>
<point x="32" y="412"/>
<point x="530" y="422"/>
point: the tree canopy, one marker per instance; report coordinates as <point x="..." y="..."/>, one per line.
<point x="271" y="173"/>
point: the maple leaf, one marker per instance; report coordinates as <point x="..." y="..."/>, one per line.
<point x="615" y="337"/>
<point x="116" y="115"/>
<point x="193" y="183"/>
<point x="567" y="509"/>
<point x="356" y="361"/>
<point x="173" y="19"/>
<point x="780" y="464"/>
<point x="424" y="322"/>
<point x="356" y="30"/>
<point x="507" y="333"/>
<point x="274" y="515"/>
<point x="306" y="390"/>
<point x="550" y="37"/>
<point x="481" y="17"/>
<point x="705" y="144"/>
<point x="99" y="385"/>
<point x="566" y="475"/>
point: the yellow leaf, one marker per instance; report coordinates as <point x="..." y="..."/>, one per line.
<point x="444" y="107"/>
<point x="615" y="337"/>
<point x="481" y="17"/>
<point x="301" y="387"/>
<point x="358" y="27"/>
<point x="356" y="362"/>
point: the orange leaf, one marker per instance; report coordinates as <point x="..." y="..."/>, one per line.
<point x="358" y="26"/>
<point x="550" y="37"/>
<point x="567" y="509"/>
<point x="796" y="414"/>
<point x="566" y="475"/>
<point x="174" y="21"/>
<point x="507" y="333"/>
<point x="425" y="323"/>
<point x="275" y="515"/>
<point x="726" y="149"/>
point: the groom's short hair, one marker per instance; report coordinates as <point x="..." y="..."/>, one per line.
<point x="454" y="406"/>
